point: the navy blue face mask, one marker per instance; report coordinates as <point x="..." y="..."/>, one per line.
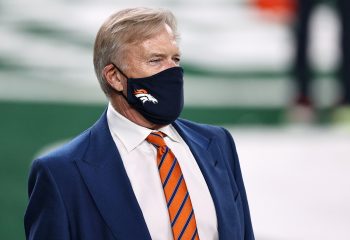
<point x="159" y="98"/>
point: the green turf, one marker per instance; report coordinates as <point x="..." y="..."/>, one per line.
<point x="24" y="129"/>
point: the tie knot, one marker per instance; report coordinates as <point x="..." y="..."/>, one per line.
<point x="156" y="138"/>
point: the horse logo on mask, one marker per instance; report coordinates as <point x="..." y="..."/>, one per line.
<point x="144" y="96"/>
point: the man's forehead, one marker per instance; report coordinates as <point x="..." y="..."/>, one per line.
<point x="158" y="44"/>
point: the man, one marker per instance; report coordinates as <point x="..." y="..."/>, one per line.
<point x="139" y="172"/>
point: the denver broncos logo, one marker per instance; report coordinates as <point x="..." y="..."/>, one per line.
<point x="144" y="96"/>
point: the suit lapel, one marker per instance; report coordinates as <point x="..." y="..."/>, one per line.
<point x="105" y="176"/>
<point x="210" y="161"/>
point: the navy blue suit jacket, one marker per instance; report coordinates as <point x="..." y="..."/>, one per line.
<point x="82" y="191"/>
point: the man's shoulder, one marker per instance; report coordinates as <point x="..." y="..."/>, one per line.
<point x="66" y="152"/>
<point x="74" y="149"/>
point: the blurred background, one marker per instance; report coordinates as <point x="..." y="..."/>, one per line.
<point x="238" y="57"/>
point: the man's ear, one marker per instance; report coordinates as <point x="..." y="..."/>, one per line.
<point x="113" y="77"/>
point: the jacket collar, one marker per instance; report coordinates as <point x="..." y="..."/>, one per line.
<point x="103" y="172"/>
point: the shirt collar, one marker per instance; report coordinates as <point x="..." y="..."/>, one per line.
<point x="129" y="133"/>
<point x="170" y="132"/>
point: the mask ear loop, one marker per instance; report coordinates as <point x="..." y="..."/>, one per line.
<point x="121" y="92"/>
<point x="120" y="71"/>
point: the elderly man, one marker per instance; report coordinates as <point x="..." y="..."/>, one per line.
<point x="140" y="172"/>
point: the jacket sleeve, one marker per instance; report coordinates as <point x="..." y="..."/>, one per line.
<point x="46" y="216"/>
<point x="236" y="169"/>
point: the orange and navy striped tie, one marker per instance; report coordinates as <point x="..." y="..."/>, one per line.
<point x="183" y="221"/>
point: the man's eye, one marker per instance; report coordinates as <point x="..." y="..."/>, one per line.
<point x="177" y="59"/>
<point x="155" y="60"/>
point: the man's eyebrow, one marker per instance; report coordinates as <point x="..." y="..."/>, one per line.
<point x="156" y="55"/>
<point x="162" y="54"/>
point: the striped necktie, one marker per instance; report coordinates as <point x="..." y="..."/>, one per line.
<point x="183" y="222"/>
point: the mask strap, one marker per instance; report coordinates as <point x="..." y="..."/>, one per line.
<point x="120" y="71"/>
<point x="124" y="76"/>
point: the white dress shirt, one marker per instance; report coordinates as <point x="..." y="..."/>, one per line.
<point x="139" y="159"/>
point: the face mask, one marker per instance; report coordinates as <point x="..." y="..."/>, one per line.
<point x="159" y="98"/>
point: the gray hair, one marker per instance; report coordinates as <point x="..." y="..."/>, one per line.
<point x="128" y="26"/>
